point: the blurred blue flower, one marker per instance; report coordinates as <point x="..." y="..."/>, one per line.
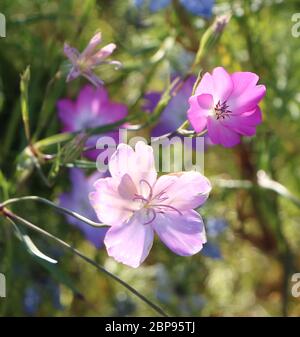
<point x="54" y="290"/>
<point x="77" y="200"/>
<point x="196" y="7"/>
<point x="199" y="7"/>
<point x="211" y="250"/>
<point x="36" y="293"/>
<point x="31" y="301"/>
<point x="214" y="227"/>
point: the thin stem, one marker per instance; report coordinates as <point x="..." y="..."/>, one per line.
<point x="181" y="131"/>
<point x="64" y="244"/>
<point x="66" y="136"/>
<point x="52" y="204"/>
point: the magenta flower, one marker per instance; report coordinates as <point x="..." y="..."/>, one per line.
<point x="227" y="105"/>
<point x="84" y="63"/>
<point x="135" y="203"/>
<point x="77" y="201"/>
<point x="92" y="108"/>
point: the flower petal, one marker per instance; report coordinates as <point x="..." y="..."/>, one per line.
<point x="246" y="94"/>
<point x="200" y="107"/>
<point x="94" y="79"/>
<point x="66" y="113"/>
<point x="185" y="190"/>
<point x="71" y="53"/>
<point x="243" y="80"/>
<point x="139" y="164"/>
<point x="102" y="54"/>
<point x="183" y="234"/>
<point x="244" y="124"/>
<point x="220" y="134"/>
<point x="93" y="43"/>
<point x="110" y="207"/>
<point x="222" y="84"/>
<point x="206" y="85"/>
<point x="130" y="242"/>
<point x="74" y="73"/>
<point x="87" y="102"/>
<point x="113" y="112"/>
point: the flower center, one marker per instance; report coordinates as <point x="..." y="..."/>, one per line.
<point x="222" y="110"/>
<point x="154" y="204"/>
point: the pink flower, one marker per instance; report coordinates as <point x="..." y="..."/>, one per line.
<point x="135" y="203"/>
<point x="92" y="108"/>
<point x="85" y="62"/>
<point x="227" y="105"/>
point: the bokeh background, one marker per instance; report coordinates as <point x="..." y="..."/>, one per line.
<point x="252" y="216"/>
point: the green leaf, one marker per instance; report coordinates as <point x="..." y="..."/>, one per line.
<point x="4" y="186"/>
<point x="67" y="154"/>
<point x="30" y="246"/>
<point x="35" y="251"/>
<point x="25" y="78"/>
<point x="45" y="261"/>
<point x="56" y="165"/>
<point x="72" y="150"/>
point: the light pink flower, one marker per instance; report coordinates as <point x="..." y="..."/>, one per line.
<point x="227" y="105"/>
<point x="85" y="62"/>
<point x="135" y="203"/>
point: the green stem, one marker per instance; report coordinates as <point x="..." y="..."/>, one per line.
<point x="63" y="137"/>
<point x="64" y="244"/>
<point x="52" y="204"/>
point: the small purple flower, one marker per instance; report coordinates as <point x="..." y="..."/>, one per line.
<point x="84" y="63"/>
<point x="92" y="108"/>
<point x="77" y="200"/>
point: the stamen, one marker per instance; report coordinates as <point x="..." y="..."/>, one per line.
<point x="168" y="206"/>
<point x="139" y="197"/>
<point x="153" y="218"/>
<point x="150" y="188"/>
<point x="161" y="196"/>
<point x="162" y="199"/>
<point x="222" y="111"/>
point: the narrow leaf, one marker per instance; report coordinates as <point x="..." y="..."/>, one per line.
<point x="25" y="78"/>
<point x="35" y="251"/>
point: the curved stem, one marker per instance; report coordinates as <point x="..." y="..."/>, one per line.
<point x="64" y="244"/>
<point x="181" y="131"/>
<point x="52" y="204"/>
